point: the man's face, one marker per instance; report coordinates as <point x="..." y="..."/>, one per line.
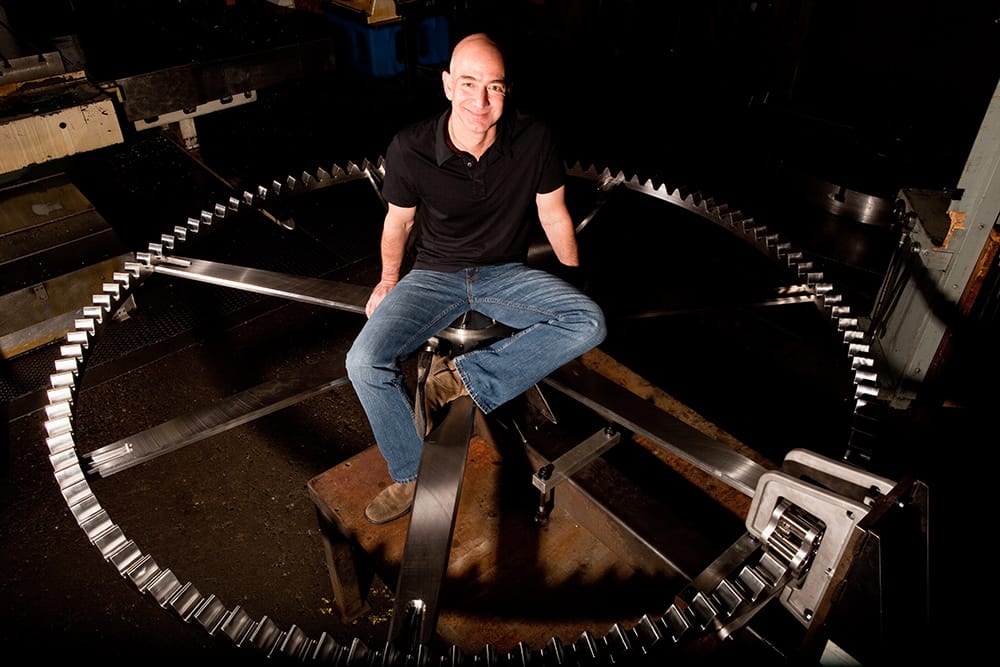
<point x="476" y="87"/>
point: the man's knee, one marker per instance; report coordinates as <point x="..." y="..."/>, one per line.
<point x="593" y="324"/>
<point x="600" y="326"/>
<point x="354" y="363"/>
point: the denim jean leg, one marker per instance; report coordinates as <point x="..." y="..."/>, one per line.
<point x="557" y="324"/>
<point x="417" y="307"/>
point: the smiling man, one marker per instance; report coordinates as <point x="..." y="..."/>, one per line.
<point x="471" y="183"/>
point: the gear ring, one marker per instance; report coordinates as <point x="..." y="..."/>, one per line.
<point x="184" y="599"/>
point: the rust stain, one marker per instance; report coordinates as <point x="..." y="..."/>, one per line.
<point x="957" y="222"/>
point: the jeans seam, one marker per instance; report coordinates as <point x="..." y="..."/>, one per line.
<point x="518" y="305"/>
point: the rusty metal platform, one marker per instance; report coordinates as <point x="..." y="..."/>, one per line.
<point x="508" y="579"/>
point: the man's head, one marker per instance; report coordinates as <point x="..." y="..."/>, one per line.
<point x="476" y="83"/>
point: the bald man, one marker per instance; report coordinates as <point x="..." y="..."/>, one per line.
<point x="472" y="182"/>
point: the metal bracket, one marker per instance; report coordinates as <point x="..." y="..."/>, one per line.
<point x="551" y="475"/>
<point x="840" y="512"/>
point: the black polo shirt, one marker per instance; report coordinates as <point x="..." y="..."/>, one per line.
<point x="472" y="213"/>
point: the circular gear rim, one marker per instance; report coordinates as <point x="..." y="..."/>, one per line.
<point x="207" y="611"/>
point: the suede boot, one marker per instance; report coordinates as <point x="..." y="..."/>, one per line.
<point x="443" y="386"/>
<point x="391" y="503"/>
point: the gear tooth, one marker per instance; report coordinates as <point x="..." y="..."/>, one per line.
<point x="521" y="654"/>
<point x="453" y="655"/>
<point x="353" y="169"/>
<point x="487" y="655"/>
<point x="554" y="652"/>
<point x="606" y="184"/>
<point x="646" y="634"/>
<point x="616" y="641"/>
<point x="338" y="172"/>
<point x="586" y="647"/>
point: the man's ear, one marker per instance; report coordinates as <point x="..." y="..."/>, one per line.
<point x="446" y="82"/>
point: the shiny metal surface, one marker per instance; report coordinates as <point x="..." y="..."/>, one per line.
<point x="788" y="296"/>
<point x="838" y="515"/>
<point x="196" y="426"/>
<point x="432" y="522"/>
<point x="472" y="329"/>
<point x="342" y="296"/>
<point x="841" y="200"/>
<point x="622" y="407"/>
<point x="563" y="467"/>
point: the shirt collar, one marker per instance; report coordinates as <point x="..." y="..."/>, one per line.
<point x="443" y="152"/>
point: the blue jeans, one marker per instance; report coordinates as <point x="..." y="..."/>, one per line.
<point x="556" y="323"/>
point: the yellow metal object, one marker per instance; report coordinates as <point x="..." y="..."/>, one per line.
<point x="41" y="314"/>
<point x="52" y="118"/>
<point x="37" y="220"/>
<point x="375" y="11"/>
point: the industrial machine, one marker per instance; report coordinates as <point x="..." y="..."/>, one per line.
<point x="818" y="530"/>
<point x="839" y="550"/>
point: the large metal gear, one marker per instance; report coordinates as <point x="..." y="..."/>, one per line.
<point x="714" y="606"/>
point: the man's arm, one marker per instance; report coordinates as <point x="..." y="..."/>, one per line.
<point x="395" y="232"/>
<point x="558" y="225"/>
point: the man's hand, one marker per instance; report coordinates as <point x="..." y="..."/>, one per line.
<point x="377" y="295"/>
